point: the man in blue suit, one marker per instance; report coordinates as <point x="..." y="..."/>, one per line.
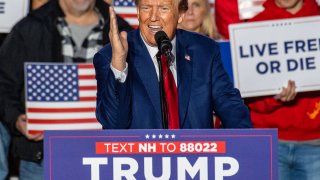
<point x="127" y="75"/>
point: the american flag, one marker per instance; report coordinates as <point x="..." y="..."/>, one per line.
<point x="60" y="97"/>
<point x="127" y="10"/>
<point x="249" y="8"/>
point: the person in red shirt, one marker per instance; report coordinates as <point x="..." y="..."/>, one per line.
<point x="226" y="12"/>
<point x="281" y="9"/>
<point x="297" y="116"/>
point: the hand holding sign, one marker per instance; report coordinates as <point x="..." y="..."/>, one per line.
<point x="21" y="126"/>
<point x="288" y="93"/>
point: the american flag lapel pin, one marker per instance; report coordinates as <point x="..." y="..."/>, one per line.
<point x="187" y="57"/>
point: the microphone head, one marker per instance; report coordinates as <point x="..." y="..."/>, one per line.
<point x="163" y="42"/>
<point x="159" y="36"/>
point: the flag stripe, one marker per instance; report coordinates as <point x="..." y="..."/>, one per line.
<point x="61" y="104"/>
<point x="87" y="77"/>
<point x="41" y="131"/>
<point x="86" y="66"/>
<point x="59" y="110"/>
<point x="135" y="26"/>
<point x="79" y="126"/>
<point x="87" y="83"/>
<point x="84" y="88"/>
<point x="35" y="132"/>
<point x="85" y="71"/>
<point x="63" y="121"/>
<point x="88" y="98"/>
<point x="125" y="10"/>
<point x="62" y="116"/>
<point x="133" y="16"/>
<point x="86" y="93"/>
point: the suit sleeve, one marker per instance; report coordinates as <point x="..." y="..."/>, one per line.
<point x="227" y="101"/>
<point x="113" y="97"/>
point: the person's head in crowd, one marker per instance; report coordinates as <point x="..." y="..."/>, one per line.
<point x="198" y="18"/>
<point x="35" y="4"/>
<point x="156" y="15"/>
<point x="77" y="7"/>
<point x="291" y="6"/>
<point x="72" y="6"/>
<point x="78" y="4"/>
<point x="108" y="1"/>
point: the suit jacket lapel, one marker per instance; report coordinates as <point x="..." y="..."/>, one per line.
<point x="146" y="70"/>
<point x="184" y="72"/>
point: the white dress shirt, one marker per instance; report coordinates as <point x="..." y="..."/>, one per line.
<point x="122" y="75"/>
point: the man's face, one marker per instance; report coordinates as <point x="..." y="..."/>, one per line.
<point x="288" y="4"/>
<point x="157" y="15"/>
<point x="78" y="5"/>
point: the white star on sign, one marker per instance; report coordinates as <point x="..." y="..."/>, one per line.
<point x="154" y="136"/>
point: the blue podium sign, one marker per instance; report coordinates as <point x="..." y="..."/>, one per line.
<point x="248" y="154"/>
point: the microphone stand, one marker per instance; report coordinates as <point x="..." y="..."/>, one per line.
<point x="164" y="109"/>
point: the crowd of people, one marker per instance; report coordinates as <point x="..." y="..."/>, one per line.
<point x="59" y="31"/>
<point x="63" y="31"/>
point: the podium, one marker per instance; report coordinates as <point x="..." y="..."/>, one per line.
<point x="213" y="154"/>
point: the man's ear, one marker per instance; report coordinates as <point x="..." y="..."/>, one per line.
<point x="181" y="16"/>
<point x="138" y="12"/>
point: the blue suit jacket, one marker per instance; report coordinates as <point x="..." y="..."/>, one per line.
<point x="203" y="87"/>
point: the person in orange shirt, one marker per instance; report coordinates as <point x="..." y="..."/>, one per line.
<point x="226" y="12"/>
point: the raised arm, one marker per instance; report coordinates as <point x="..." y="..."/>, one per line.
<point x="113" y="92"/>
<point x="119" y="43"/>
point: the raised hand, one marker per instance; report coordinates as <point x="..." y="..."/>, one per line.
<point x="288" y="93"/>
<point x="119" y="43"/>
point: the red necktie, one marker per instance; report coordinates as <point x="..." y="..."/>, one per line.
<point x="171" y="95"/>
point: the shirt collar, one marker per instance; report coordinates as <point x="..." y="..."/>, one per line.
<point x="154" y="50"/>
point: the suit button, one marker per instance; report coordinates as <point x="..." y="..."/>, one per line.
<point x="39" y="155"/>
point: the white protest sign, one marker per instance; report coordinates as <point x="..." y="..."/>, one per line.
<point x="11" y="11"/>
<point x="265" y="55"/>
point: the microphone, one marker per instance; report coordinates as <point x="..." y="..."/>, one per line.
<point x="163" y="42"/>
<point x="165" y="47"/>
